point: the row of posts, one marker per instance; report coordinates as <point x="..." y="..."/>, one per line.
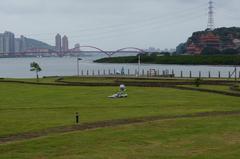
<point x="157" y="73"/>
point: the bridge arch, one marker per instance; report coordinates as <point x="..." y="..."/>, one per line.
<point x="113" y="52"/>
<point x="96" y="48"/>
<point x="128" y="48"/>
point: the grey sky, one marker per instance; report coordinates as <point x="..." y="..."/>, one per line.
<point x="112" y="24"/>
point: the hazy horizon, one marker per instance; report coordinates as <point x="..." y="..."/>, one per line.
<point x="112" y="24"/>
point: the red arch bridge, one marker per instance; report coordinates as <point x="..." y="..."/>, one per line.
<point x="78" y="50"/>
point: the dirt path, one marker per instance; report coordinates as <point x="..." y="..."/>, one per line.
<point x="104" y="124"/>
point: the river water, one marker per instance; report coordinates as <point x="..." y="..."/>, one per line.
<point x="67" y="66"/>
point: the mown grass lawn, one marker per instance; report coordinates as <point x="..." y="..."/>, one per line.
<point x="124" y="79"/>
<point x="225" y="88"/>
<point x="25" y="107"/>
<point x="197" y="138"/>
<point x="34" y="80"/>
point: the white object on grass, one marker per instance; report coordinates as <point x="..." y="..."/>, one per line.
<point x="120" y="94"/>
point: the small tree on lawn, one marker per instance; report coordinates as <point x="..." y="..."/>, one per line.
<point x="35" y="67"/>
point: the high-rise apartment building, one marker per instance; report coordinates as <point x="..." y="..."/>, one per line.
<point x="77" y="47"/>
<point x="1" y="43"/>
<point x="23" y="43"/>
<point x="17" y="45"/>
<point x="65" y="43"/>
<point x="58" y="43"/>
<point x="9" y="42"/>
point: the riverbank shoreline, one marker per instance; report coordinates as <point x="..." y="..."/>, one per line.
<point x="213" y="60"/>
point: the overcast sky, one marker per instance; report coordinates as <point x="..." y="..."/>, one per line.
<point x="113" y="24"/>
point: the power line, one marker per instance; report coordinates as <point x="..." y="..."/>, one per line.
<point x="161" y="23"/>
<point x="138" y="26"/>
<point x="123" y="25"/>
<point x="151" y="29"/>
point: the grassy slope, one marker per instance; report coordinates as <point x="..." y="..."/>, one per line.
<point x="89" y="79"/>
<point x="198" y="138"/>
<point x="97" y="79"/>
<point x="32" y="107"/>
<point x="122" y="79"/>
<point x="214" y="87"/>
<point x="131" y="79"/>
<point x="211" y="87"/>
<point x="41" y="80"/>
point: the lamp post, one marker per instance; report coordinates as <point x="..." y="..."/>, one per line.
<point x="78" y="59"/>
<point x="78" y="71"/>
<point x="235" y="69"/>
<point x="139" y="63"/>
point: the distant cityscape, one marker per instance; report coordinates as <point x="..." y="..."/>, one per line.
<point x="23" y="46"/>
<point x="210" y="41"/>
<point x="12" y="46"/>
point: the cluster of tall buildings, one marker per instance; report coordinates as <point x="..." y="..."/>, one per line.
<point x="9" y="44"/>
<point x="61" y="43"/>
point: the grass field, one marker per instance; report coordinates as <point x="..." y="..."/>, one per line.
<point x="114" y="79"/>
<point x="212" y="87"/>
<point x="26" y="108"/>
<point x="223" y="88"/>
<point x="132" y="79"/>
<point x="198" y="138"/>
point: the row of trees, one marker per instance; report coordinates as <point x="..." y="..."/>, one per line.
<point x="177" y="59"/>
<point x="213" y="51"/>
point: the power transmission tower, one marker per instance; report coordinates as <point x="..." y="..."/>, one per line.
<point x="210" y="25"/>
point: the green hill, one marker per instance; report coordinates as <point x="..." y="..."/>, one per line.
<point x="32" y="43"/>
<point x="229" y="39"/>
